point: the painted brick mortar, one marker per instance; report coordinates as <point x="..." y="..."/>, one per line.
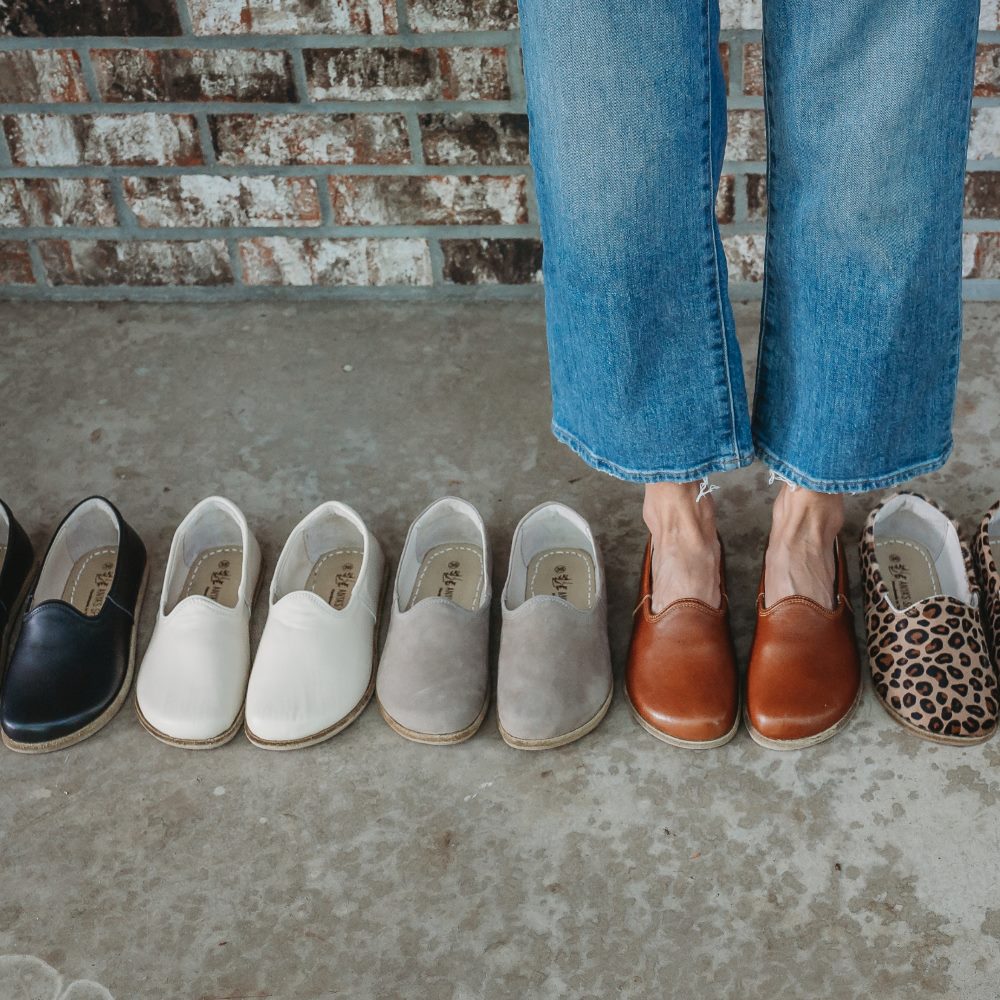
<point x="257" y="148"/>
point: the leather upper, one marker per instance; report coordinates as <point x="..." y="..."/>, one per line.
<point x="68" y="667"/>
<point x="804" y="674"/>
<point x="193" y="677"/>
<point x="314" y="663"/>
<point x="17" y="563"/>
<point x="681" y="677"/>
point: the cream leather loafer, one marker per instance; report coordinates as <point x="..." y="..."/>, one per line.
<point x="315" y="667"/>
<point x="193" y="678"/>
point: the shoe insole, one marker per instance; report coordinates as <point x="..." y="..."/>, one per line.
<point x="455" y="571"/>
<point x="909" y="571"/>
<point x="216" y="574"/>
<point x="90" y="580"/>
<point x="565" y="573"/>
<point x="334" y="575"/>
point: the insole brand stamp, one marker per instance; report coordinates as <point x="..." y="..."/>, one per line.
<point x="561" y="582"/>
<point x="103" y="577"/>
<point x="450" y="579"/>
<point x="343" y="584"/>
<point x="899" y="573"/>
<point x="90" y="580"/>
<point x="218" y="579"/>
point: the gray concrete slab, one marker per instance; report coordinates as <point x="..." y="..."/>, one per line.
<point x="372" y="867"/>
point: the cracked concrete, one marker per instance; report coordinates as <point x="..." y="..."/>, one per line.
<point x="372" y="867"/>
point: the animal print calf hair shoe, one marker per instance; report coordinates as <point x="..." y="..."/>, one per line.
<point x="930" y="662"/>
<point x="986" y="550"/>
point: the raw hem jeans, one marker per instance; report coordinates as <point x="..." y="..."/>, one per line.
<point x="867" y="111"/>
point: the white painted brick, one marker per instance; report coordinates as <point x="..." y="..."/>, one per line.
<point x="745" y="256"/>
<point x="294" y="17"/>
<point x="984" y="141"/>
<point x="741" y="13"/>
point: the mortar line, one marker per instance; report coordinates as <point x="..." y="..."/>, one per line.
<point x="6" y="161"/>
<point x="205" y="138"/>
<point x="325" y="202"/>
<point x="416" y="138"/>
<point x="735" y="68"/>
<point x="376" y="107"/>
<point x="126" y="217"/>
<point x="515" y="72"/>
<point x="89" y="74"/>
<point x="184" y="17"/>
<point x="436" y="253"/>
<point x="299" y="76"/>
<point x="37" y="266"/>
<point x="235" y="261"/>
<point x="264" y="170"/>
<point x="403" y="19"/>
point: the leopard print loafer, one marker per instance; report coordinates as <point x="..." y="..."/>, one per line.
<point x="986" y="550"/>
<point x="930" y="662"/>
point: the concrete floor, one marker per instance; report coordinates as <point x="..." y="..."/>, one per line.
<point x="370" y="867"/>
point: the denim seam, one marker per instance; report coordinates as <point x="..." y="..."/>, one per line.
<point x="714" y="236"/>
<point x="721" y="464"/>
<point x="800" y="478"/>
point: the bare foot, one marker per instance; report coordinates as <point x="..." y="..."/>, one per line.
<point x="804" y="526"/>
<point x="686" y="552"/>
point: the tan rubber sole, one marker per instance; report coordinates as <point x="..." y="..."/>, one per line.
<point x="111" y="711"/>
<point x="675" y="741"/>
<point x="341" y="724"/>
<point x="806" y="741"/>
<point x="213" y="741"/>
<point x="559" y="741"/>
<point x="436" y="739"/>
<point x="951" y="741"/>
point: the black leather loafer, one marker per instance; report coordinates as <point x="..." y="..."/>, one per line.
<point x="17" y="560"/>
<point x="72" y="664"/>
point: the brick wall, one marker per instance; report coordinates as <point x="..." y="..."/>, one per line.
<point x="240" y="148"/>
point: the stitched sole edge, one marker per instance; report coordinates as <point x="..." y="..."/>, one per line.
<point x="675" y="741"/>
<point x="804" y="742"/>
<point x="558" y="741"/>
<point x="95" y="725"/>
<point x="436" y="739"/>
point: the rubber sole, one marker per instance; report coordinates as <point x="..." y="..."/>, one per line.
<point x="111" y="711"/>
<point x="436" y="739"/>
<point x="675" y="741"/>
<point x="559" y="741"/>
<point x="212" y="742"/>
<point x="806" y="741"/>
<point x="341" y="724"/>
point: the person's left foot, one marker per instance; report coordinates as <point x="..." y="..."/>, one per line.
<point x="800" y="550"/>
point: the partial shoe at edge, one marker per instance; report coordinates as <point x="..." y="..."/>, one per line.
<point x="804" y="677"/>
<point x="315" y="667"/>
<point x="193" y="678"/>
<point x="554" y="681"/>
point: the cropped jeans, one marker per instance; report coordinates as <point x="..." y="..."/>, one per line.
<point x="867" y="113"/>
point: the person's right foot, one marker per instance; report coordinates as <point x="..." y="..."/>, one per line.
<point x="686" y="552"/>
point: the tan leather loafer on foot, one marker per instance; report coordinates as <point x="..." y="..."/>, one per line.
<point x="804" y="678"/>
<point x="681" y="681"/>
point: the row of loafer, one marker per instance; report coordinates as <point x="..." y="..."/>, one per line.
<point x="932" y="620"/>
<point x="315" y="668"/>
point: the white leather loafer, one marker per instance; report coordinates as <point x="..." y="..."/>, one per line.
<point x="193" y="678"/>
<point x="315" y="667"/>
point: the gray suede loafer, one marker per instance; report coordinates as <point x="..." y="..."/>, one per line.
<point x="433" y="678"/>
<point x="554" y="681"/>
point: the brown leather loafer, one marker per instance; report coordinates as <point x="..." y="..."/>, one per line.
<point x="804" y="678"/>
<point x="681" y="681"/>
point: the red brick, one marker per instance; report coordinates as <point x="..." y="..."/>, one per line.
<point x="745" y="256"/>
<point x="492" y="261"/>
<point x="294" y="17"/>
<point x="193" y="75"/>
<point x="64" y="18"/>
<point x="746" y="136"/>
<point x="753" y="68"/>
<point x="756" y="197"/>
<point x="207" y="200"/>
<point x="64" y="201"/>
<point x="982" y="194"/>
<point x="131" y="140"/>
<point x="428" y="201"/>
<point x="741" y="14"/>
<point x="462" y="15"/>
<point x="987" y="71"/>
<point x="984" y="259"/>
<point x="725" y="207"/>
<point x="51" y="75"/>
<point x="311" y="138"/>
<point x="136" y="262"/>
<point x="15" y="263"/>
<point x="488" y="139"/>
<point x="724" y="57"/>
<point x="278" y="260"/>
<point x="369" y="74"/>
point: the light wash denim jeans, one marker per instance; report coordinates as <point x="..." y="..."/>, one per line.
<point x="867" y="109"/>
